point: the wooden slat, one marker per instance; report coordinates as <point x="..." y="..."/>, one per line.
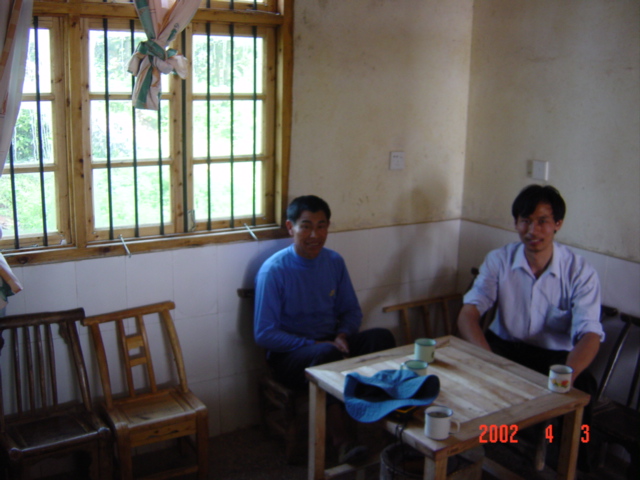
<point x="134" y="341"/>
<point x="125" y="356"/>
<point x="30" y="372"/>
<point x="146" y="352"/>
<point x="52" y="364"/>
<point x="17" y="377"/>
<point x="425" y="306"/>
<point x="103" y="365"/>
<point x="165" y="315"/>
<point x="39" y="361"/>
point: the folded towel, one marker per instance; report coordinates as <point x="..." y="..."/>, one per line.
<point x="369" y="399"/>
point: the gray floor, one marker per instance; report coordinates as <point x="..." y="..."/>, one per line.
<point x="249" y="454"/>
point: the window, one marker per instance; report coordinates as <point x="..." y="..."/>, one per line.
<point x="87" y="171"/>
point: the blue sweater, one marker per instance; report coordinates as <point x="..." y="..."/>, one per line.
<point x="299" y="300"/>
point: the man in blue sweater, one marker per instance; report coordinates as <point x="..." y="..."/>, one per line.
<point x="307" y="312"/>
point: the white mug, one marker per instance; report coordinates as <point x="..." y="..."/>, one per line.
<point x="560" y="378"/>
<point x="438" y="423"/>
<point x="417" y="366"/>
<point x="425" y="349"/>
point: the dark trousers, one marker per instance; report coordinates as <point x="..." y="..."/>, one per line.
<point x="288" y="367"/>
<point x="540" y="359"/>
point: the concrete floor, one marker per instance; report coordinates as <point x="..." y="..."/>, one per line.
<point x="249" y="454"/>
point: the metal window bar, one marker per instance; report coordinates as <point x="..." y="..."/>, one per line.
<point x="134" y="142"/>
<point x="232" y="133"/>
<point x="14" y="200"/>
<point x="185" y="196"/>
<point x="208" y="30"/>
<point x="105" y="28"/>
<point x="254" y="31"/>
<point x="45" y="236"/>
<point x="160" y="192"/>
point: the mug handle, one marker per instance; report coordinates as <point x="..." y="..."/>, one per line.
<point x="457" y="425"/>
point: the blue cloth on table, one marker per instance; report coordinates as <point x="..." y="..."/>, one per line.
<point x="368" y="399"/>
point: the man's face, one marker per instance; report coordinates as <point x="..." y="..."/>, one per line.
<point x="538" y="230"/>
<point x="309" y="233"/>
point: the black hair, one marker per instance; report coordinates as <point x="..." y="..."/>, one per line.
<point x="529" y="198"/>
<point x="306" y="202"/>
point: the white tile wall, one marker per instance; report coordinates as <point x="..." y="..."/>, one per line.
<point x="387" y="266"/>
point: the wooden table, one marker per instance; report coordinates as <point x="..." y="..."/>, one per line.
<point x="482" y="388"/>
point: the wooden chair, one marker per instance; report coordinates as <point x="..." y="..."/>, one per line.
<point x="445" y="309"/>
<point x="283" y="411"/>
<point x="426" y="307"/>
<point x="147" y="414"/>
<point x="42" y="426"/>
<point x="614" y="422"/>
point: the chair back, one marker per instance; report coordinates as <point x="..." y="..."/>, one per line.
<point x="441" y="307"/>
<point x="32" y="351"/>
<point x="134" y="347"/>
<point x="631" y="323"/>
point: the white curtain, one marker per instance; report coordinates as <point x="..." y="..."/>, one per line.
<point x="162" y="21"/>
<point x="15" y="21"/>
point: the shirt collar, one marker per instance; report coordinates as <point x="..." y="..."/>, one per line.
<point x="520" y="261"/>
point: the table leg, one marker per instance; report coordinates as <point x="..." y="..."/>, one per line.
<point x="569" y="447"/>
<point x="317" y="432"/>
<point x="435" y="469"/>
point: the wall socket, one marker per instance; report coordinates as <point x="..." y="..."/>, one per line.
<point x="396" y="161"/>
<point x="538" y="169"/>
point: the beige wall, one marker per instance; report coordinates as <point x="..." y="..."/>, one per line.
<point x="370" y="77"/>
<point x="558" y="81"/>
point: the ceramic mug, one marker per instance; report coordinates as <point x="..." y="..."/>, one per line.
<point x="417" y="366"/>
<point x="438" y="423"/>
<point x="425" y="349"/>
<point x="560" y="378"/>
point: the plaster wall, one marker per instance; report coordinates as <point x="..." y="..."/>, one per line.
<point x="558" y="81"/>
<point x="371" y="77"/>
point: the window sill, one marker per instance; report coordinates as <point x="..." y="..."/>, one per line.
<point x="116" y="248"/>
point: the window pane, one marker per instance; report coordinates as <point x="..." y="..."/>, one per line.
<point x="220" y="131"/>
<point x="29" y="200"/>
<point x="121" y="131"/>
<point x="220" y="64"/>
<point x="119" y="53"/>
<point x="123" y="196"/>
<point x="26" y="134"/>
<point x="221" y="191"/>
<point x="44" y="62"/>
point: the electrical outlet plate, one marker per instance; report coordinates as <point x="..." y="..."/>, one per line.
<point x="396" y="161"/>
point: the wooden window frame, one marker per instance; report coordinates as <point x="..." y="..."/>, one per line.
<point x="73" y="16"/>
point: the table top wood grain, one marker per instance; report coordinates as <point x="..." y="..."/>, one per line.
<point x="481" y="387"/>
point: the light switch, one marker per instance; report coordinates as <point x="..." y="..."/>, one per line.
<point x="396" y="161"/>
<point x="538" y="170"/>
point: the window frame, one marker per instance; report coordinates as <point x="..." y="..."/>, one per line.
<point x="73" y="18"/>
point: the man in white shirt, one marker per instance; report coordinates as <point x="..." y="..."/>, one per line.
<point x="548" y="297"/>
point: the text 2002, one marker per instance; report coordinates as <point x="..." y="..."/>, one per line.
<point x="498" y="434"/>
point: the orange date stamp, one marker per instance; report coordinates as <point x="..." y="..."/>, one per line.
<point x="507" y="434"/>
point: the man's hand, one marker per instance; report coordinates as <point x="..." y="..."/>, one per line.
<point x="583" y="353"/>
<point x="341" y="343"/>
<point x="469" y="326"/>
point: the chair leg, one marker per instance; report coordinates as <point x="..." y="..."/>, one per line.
<point x="202" y="439"/>
<point x="125" y="460"/>
<point x="541" y="452"/>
